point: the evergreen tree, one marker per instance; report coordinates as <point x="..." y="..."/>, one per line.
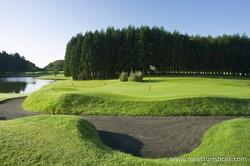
<point x="105" y="54"/>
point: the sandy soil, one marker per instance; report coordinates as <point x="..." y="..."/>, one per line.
<point x="148" y="137"/>
<point x="154" y="137"/>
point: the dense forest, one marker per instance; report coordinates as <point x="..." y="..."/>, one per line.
<point x="106" y="53"/>
<point x="13" y="63"/>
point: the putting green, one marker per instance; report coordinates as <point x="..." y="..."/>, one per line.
<point x="162" y="88"/>
<point x="168" y="96"/>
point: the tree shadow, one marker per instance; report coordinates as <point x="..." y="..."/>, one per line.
<point x="10" y="87"/>
<point x="2" y="118"/>
<point x="121" y="142"/>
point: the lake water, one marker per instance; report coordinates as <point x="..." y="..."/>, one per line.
<point x="21" y="85"/>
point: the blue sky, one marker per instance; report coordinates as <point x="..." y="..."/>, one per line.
<point x="40" y="29"/>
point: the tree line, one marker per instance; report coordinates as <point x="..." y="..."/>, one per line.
<point x="12" y="63"/>
<point x="106" y="53"/>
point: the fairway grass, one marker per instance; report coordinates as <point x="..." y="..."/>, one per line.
<point x="71" y="140"/>
<point x="168" y="96"/>
<point x="6" y="96"/>
<point x="53" y="77"/>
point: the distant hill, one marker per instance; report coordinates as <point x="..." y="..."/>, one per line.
<point x="58" y="65"/>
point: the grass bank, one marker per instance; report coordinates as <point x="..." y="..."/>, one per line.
<point x="168" y="96"/>
<point x="70" y="140"/>
<point x="6" y="96"/>
<point x="225" y="144"/>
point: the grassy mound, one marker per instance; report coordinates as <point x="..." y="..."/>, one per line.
<point x="168" y="96"/>
<point x="229" y="140"/>
<point x="94" y="104"/>
<point x="70" y="140"/>
<point x="49" y="140"/>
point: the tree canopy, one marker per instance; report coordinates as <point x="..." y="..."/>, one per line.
<point x="15" y="63"/>
<point x="106" y="53"/>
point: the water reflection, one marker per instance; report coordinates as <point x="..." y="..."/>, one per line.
<point x="12" y="87"/>
<point x="22" y="85"/>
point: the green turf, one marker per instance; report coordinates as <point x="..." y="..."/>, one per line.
<point x="70" y="140"/>
<point x="53" y="77"/>
<point x="229" y="139"/>
<point x="6" y="96"/>
<point x="168" y="96"/>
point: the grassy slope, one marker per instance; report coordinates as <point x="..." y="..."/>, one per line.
<point x="168" y="96"/>
<point x="70" y="140"/>
<point x="229" y="139"/>
<point x="6" y="96"/>
<point x="66" y="140"/>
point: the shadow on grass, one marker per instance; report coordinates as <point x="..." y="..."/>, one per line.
<point x="121" y="142"/>
<point x="2" y="118"/>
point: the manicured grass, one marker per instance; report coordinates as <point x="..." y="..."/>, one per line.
<point x="60" y="140"/>
<point x="70" y="140"/>
<point x="6" y="96"/>
<point x="229" y="139"/>
<point x="53" y="77"/>
<point x="168" y="96"/>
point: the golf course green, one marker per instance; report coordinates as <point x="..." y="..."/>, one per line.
<point x="167" y="96"/>
<point x="72" y="140"/>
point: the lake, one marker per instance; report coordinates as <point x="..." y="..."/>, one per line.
<point x="21" y="85"/>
